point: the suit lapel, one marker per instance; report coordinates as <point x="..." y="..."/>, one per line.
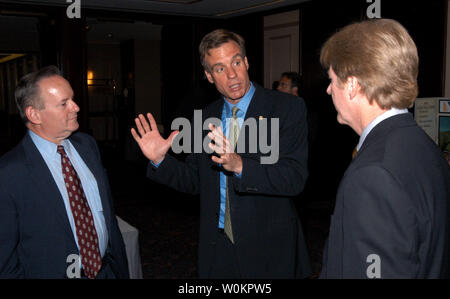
<point x="259" y="105"/>
<point x="44" y="180"/>
<point x="97" y="171"/>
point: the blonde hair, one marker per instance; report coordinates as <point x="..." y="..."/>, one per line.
<point x="381" y="55"/>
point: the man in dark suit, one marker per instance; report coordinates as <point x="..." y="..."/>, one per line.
<point x="249" y="227"/>
<point x="56" y="210"/>
<point x="390" y="218"/>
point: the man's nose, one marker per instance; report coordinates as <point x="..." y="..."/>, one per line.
<point x="231" y="73"/>
<point x="75" y="106"/>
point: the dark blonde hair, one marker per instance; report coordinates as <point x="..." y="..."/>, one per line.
<point x="217" y="38"/>
<point x="381" y="55"/>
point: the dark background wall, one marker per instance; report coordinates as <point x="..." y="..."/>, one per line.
<point x="184" y="87"/>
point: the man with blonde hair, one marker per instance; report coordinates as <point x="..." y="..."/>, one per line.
<point x="390" y="217"/>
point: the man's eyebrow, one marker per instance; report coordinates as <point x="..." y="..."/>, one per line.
<point x="236" y="56"/>
<point x="66" y="99"/>
<point x="214" y="65"/>
<point x="220" y="63"/>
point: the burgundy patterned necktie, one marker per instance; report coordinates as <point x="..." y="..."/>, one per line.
<point x="84" y="223"/>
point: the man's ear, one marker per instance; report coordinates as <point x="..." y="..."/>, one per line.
<point x="33" y="115"/>
<point x="246" y="62"/>
<point x="352" y="87"/>
<point x="295" y="90"/>
<point x="209" y="77"/>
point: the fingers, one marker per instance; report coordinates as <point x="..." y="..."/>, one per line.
<point x="222" y="143"/>
<point x="139" y="127"/>
<point x="230" y="162"/>
<point x="152" y="122"/>
<point x="144" y="123"/>
<point x="217" y="148"/>
<point x="217" y="160"/>
<point x="218" y="141"/>
<point x="135" y="135"/>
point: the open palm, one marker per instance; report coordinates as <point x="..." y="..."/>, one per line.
<point x="152" y="144"/>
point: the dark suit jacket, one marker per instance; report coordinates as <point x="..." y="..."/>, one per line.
<point x="391" y="202"/>
<point x="267" y="233"/>
<point x="35" y="234"/>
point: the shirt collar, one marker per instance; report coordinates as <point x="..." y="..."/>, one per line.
<point x="242" y="104"/>
<point x="389" y="113"/>
<point x="47" y="147"/>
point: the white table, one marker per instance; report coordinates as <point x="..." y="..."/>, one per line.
<point x="130" y="237"/>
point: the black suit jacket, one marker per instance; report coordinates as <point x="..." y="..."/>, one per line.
<point x="392" y="203"/>
<point x="35" y="235"/>
<point x="267" y="233"/>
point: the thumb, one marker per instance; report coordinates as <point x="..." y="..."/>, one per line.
<point x="172" y="136"/>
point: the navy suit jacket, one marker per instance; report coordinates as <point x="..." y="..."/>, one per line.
<point x="390" y="218"/>
<point x="35" y="235"/>
<point x="268" y="237"/>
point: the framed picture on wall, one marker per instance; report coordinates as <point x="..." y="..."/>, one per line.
<point x="444" y="106"/>
<point x="444" y="133"/>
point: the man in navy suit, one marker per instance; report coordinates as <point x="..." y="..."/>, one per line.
<point x="390" y="218"/>
<point x="56" y="211"/>
<point x="249" y="226"/>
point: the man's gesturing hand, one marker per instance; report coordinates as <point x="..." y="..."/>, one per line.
<point x="152" y="145"/>
<point x="222" y="146"/>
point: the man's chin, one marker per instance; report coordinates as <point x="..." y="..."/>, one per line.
<point x="235" y="97"/>
<point x="74" y="126"/>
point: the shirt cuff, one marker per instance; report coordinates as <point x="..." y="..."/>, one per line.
<point x="156" y="165"/>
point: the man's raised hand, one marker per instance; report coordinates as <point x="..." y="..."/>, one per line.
<point x="152" y="145"/>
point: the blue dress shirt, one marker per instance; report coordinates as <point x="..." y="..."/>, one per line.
<point x="53" y="160"/>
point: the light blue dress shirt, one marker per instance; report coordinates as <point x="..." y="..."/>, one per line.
<point x="226" y="116"/>
<point x="53" y="160"/>
<point x="391" y="112"/>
